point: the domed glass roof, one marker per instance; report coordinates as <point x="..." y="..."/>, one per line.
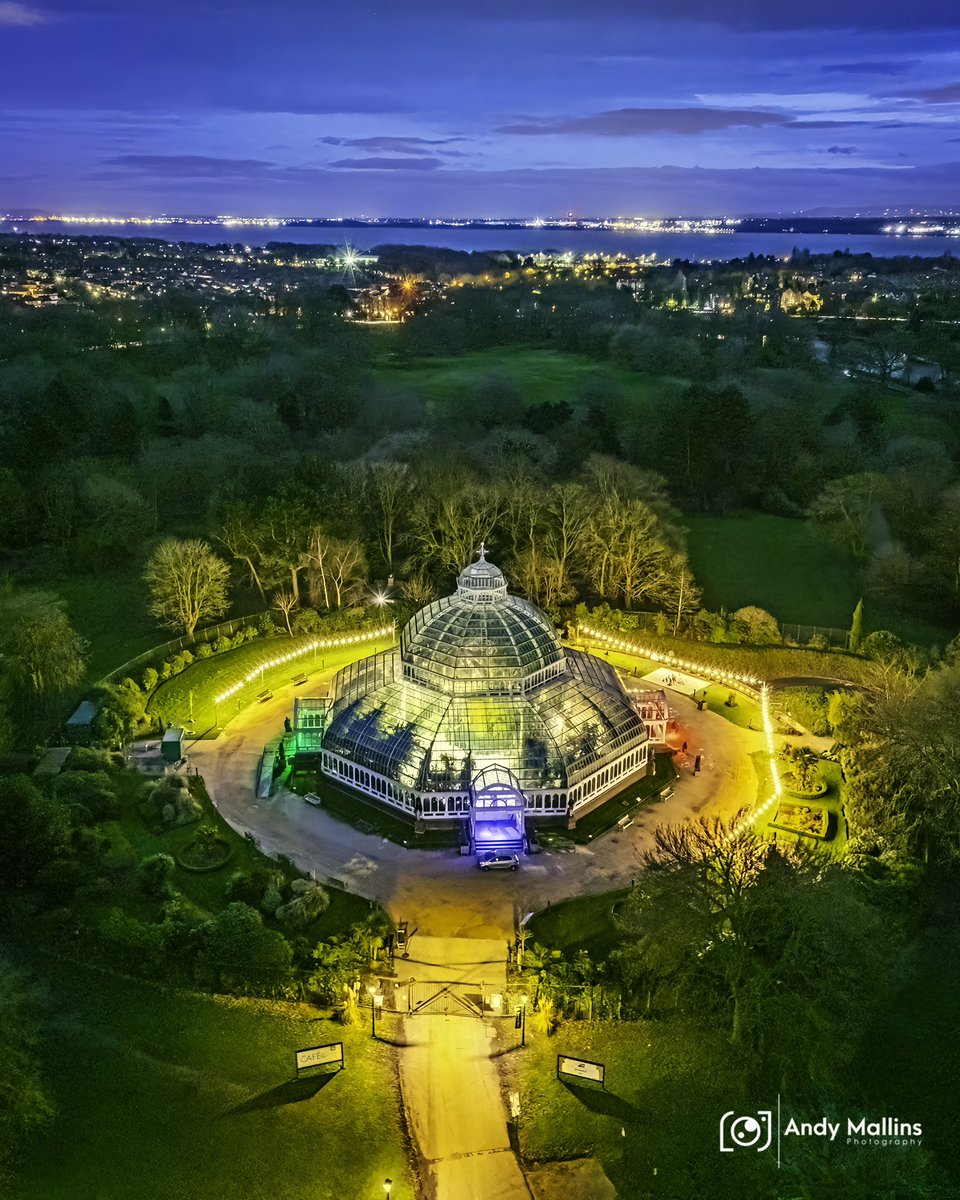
<point x="480" y="641"/>
<point x="481" y="678"/>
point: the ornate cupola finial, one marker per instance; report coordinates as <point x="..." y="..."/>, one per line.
<point x="483" y="552"/>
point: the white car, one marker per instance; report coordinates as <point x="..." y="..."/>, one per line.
<point x="498" y="862"/>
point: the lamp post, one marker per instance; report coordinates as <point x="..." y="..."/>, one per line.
<point x="523" y="1019"/>
<point x="376" y="1001"/>
<point x="387" y="1187"/>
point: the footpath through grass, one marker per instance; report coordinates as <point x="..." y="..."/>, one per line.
<point x="166" y="1095"/>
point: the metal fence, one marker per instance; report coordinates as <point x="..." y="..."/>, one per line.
<point x="158" y="654"/>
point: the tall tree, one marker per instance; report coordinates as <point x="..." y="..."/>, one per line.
<point x="391" y="488"/>
<point x="187" y="583"/>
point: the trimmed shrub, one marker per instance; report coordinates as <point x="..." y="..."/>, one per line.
<point x="168" y="801"/>
<point x="86" y="758"/>
<point x="809" y="707"/>
<point x="155" y="875"/>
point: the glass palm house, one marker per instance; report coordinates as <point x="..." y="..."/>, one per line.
<point x="481" y="707"/>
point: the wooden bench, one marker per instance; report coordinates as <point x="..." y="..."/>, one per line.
<point x="666" y="793"/>
<point x="625" y="822"/>
<point x="264" y="696"/>
<point x="298" y="679"/>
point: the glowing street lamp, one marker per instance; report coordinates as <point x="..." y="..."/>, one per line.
<point x="376" y="1001"/>
<point x="387" y="1186"/>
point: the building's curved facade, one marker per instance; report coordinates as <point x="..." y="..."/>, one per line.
<point x="481" y="679"/>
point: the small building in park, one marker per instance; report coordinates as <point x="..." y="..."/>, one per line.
<point x="480" y="709"/>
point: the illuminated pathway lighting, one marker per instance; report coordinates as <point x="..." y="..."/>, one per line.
<point x="347" y="639"/>
<point x="753" y="682"/>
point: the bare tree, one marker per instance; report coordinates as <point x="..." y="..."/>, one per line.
<point x="391" y="488"/>
<point x="187" y="582"/>
<point x="242" y="534"/>
<point x="285" y="602"/>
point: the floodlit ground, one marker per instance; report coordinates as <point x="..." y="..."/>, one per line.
<point x="171" y="1096"/>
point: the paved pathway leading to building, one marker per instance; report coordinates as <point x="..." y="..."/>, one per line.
<point x="450" y="1082"/>
<point x="462" y="919"/>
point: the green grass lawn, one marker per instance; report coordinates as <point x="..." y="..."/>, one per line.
<point x="132" y="839"/>
<point x="165" y="1095"/>
<point x="539" y="375"/>
<point x="654" y="1127"/>
<point x="366" y="815"/>
<point x="110" y="612"/>
<point x="831" y="802"/>
<point x="791" y="568"/>
<point x="188" y="699"/>
<point x="606" y="815"/>
<point x="584" y="923"/>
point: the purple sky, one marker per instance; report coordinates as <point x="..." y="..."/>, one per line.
<point x="494" y="108"/>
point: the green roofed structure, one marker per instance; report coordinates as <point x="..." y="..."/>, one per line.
<point x="480" y="680"/>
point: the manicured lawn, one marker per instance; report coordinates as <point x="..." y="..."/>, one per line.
<point x="831" y="802"/>
<point x="743" y="712"/>
<point x="791" y="568"/>
<point x="654" y="1127"/>
<point x="111" y="613"/>
<point x="628" y="801"/>
<point x="539" y="375"/>
<point x="188" y="699"/>
<point x="584" y="923"/>
<point x="367" y="816"/>
<point x="164" y="1094"/>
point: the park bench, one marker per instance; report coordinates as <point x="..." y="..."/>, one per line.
<point x="314" y="799"/>
<point x="666" y="793"/>
<point x="264" y="696"/>
<point x="625" y="822"/>
<point x="298" y="679"/>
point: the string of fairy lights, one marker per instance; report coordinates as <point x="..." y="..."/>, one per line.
<point x="333" y="643"/>
<point x="730" y="678"/>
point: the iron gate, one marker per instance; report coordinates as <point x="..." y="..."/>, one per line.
<point x="453" y="999"/>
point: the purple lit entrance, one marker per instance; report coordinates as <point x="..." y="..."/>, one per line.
<point x="496" y="811"/>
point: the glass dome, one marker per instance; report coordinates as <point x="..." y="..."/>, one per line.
<point x="480" y="641"/>
<point x="482" y="679"/>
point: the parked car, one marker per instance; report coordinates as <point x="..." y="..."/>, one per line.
<point x="498" y="862"/>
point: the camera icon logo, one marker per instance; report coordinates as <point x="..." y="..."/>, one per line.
<point x="746" y="1132"/>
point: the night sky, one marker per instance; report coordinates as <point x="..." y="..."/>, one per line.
<point x="534" y="107"/>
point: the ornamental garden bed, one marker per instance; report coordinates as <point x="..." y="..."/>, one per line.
<point x="813" y="792"/>
<point x="205" y="854"/>
<point x="811" y="820"/>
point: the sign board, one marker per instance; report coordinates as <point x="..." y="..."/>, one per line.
<point x="580" y="1068"/>
<point x="320" y="1056"/>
